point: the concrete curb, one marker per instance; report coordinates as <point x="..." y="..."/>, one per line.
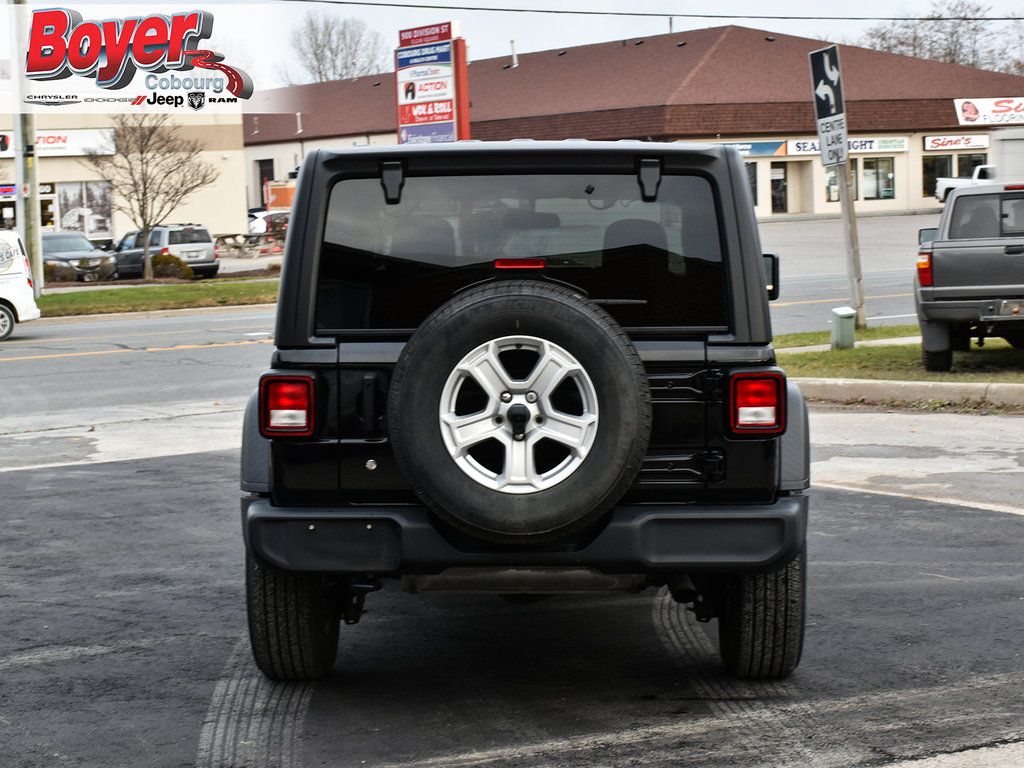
<point x="856" y="390"/>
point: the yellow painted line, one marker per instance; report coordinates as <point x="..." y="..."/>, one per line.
<point x="66" y="354"/>
<point x="838" y="298"/>
<point x="147" y="349"/>
<point x="207" y="346"/>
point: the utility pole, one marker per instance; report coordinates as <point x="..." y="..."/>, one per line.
<point x="27" y="201"/>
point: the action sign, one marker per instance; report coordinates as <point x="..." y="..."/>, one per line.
<point x="829" y="108"/>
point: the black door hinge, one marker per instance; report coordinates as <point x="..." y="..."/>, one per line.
<point x="714" y="385"/>
<point x="714" y="465"/>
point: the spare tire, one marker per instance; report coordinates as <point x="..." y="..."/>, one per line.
<point x="519" y="412"/>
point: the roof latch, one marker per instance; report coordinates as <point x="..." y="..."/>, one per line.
<point x="649" y="177"/>
<point x="392" y="178"/>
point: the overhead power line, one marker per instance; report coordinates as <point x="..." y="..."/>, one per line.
<point x="648" y="14"/>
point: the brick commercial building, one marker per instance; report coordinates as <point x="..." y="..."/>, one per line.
<point x="735" y="85"/>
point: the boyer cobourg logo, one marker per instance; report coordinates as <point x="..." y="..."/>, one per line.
<point x="112" y="52"/>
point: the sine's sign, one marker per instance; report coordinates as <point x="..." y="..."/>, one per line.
<point x="829" y="107"/>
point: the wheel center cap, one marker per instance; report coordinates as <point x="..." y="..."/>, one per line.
<point x="518" y="418"/>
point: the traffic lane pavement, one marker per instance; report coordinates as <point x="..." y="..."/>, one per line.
<point x="816" y="247"/>
<point x="814" y="272"/>
<point x="126" y="369"/>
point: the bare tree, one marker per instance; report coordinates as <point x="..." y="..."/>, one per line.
<point x="955" y="31"/>
<point x="332" y="48"/>
<point x="152" y="170"/>
<point x="1015" y="48"/>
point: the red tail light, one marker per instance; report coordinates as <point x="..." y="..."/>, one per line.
<point x="165" y="251"/>
<point x="519" y="264"/>
<point x="758" y="403"/>
<point x="924" y="269"/>
<point x="286" y="406"/>
<point x="28" y="271"/>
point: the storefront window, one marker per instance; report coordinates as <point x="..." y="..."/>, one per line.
<point x="780" y="191"/>
<point x="877" y="178"/>
<point x="965" y="164"/>
<point x="933" y="167"/>
<point x="752" y="178"/>
<point x="85" y="206"/>
<point x="8" y="220"/>
<point x="46" y="212"/>
<point x="832" y="182"/>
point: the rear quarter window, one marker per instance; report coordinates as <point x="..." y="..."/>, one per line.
<point x="186" y="236"/>
<point x="649" y="264"/>
<point x="984" y="216"/>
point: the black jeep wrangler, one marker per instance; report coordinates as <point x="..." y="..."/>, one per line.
<point x="525" y="368"/>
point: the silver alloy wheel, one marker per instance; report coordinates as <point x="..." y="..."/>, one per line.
<point x="532" y="416"/>
<point x="6" y="323"/>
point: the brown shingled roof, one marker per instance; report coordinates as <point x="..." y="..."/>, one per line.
<point x="729" y="81"/>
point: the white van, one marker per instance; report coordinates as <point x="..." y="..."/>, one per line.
<point x="17" y="299"/>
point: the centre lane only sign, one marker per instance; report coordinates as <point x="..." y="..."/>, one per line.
<point x="829" y="107"/>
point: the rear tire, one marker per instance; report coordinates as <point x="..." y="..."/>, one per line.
<point x="761" y="622"/>
<point x="293" y="622"/>
<point x="940" y="360"/>
<point x="6" y="321"/>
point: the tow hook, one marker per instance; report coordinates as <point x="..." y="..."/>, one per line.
<point x="355" y="598"/>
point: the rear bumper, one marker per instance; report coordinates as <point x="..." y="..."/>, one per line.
<point x="645" y="539"/>
<point x="997" y="310"/>
<point x="27" y="309"/>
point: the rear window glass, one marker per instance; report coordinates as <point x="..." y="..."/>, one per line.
<point x="650" y="264"/>
<point x="186" y="236"/>
<point x="979" y="216"/>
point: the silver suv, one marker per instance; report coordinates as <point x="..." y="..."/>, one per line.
<point x="191" y="243"/>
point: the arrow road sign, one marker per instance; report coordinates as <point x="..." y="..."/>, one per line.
<point x="827" y="82"/>
<point x="829" y="107"/>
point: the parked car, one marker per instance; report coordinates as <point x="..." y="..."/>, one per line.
<point x="265" y="222"/>
<point x="17" y="298"/>
<point x="982" y="174"/>
<point x="73" y="257"/>
<point x="970" y="273"/>
<point x="191" y="243"/>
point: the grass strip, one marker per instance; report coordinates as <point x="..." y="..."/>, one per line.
<point x="825" y="337"/>
<point x="996" y="362"/>
<point x="150" y="298"/>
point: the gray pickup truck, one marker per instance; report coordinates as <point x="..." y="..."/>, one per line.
<point x="970" y="273"/>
